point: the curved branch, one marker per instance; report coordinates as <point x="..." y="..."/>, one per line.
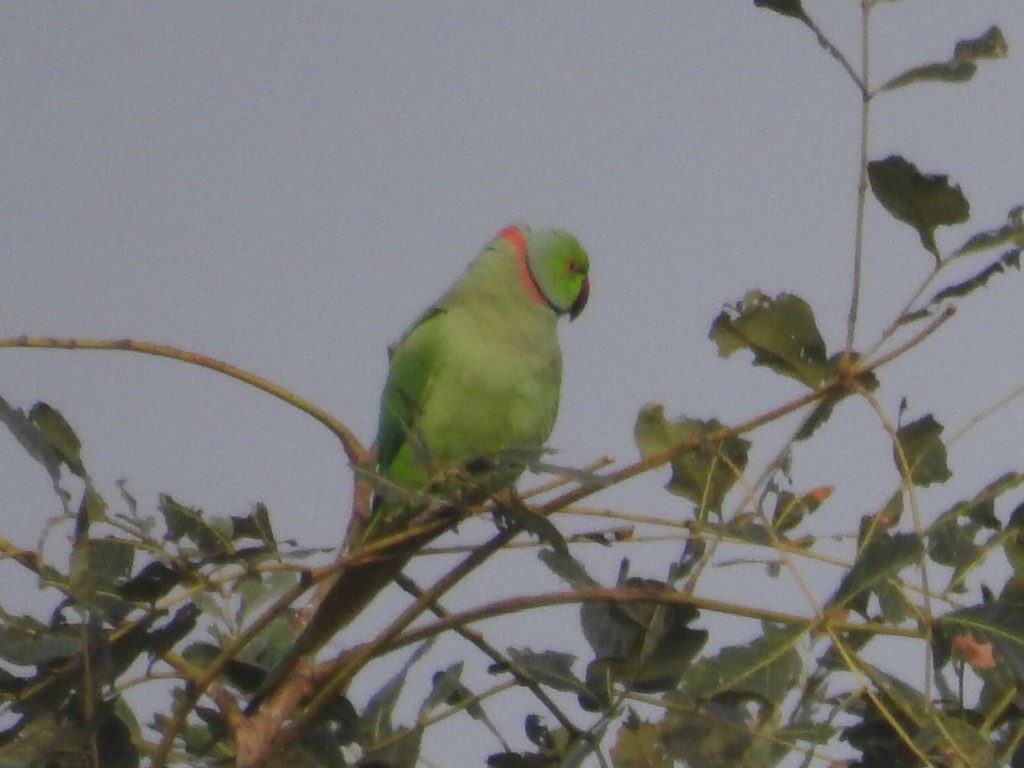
<point x="353" y="448"/>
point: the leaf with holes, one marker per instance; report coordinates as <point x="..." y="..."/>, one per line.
<point x="781" y="332"/>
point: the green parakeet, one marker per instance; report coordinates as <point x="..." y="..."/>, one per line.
<point x="477" y="377"/>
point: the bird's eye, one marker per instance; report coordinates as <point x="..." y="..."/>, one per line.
<point x="571" y="268"/>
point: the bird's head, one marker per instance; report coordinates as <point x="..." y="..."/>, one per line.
<point x="556" y="264"/>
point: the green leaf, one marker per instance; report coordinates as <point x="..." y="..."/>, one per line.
<point x="1011" y="233"/>
<point x="31" y="438"/>
<point x="945" y="736"/>
<point x="791" y="509"/>
<point x="704" y="475"/>
<point x="27" y="642"/>
<point x="648" y="646"/>
<point x="814" y="733"/>
<point x="960" y="67"/>
<point x="56" y="431"/>
<point x="991" y="45"/>
<point x="639" y="745"/>
<point x="519" y="515"/>
<point x="549" y="668"/>
<point x="923" y="450"/>
<point x="780" y="331"/>
<point x="400" y="746"/>
<point x="151" y="583"/>
<point x="1013" y="541"/>
<point x="567" y="568"/>
<point x="792" y="8"/>
<point x="182" y="521"/>
<point x="874" y="736"/>
<point x="821" y="413"/>
<point x="721" y="733"/>
<point x="893" y="604"/>
<point x="979" y="280"/>
<point x="256" y="525"/>
<point x="446" y="688"/>
<point x="59" y="738"/>
<point x="924" y="201"/>
<point x="883" y="558"/>
<point x="939" y="72"/>
<point x="951" y="537"/>
<point x="766" y="668"/>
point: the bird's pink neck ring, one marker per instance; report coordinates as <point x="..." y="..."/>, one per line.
<point x="515" y="237"/>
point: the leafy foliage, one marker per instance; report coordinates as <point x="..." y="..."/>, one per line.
<point x="675" y="670"/>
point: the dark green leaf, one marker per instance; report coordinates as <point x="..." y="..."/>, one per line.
<point x="891" y="514"/>
<point x="600" y="684"/>
<point x="875" y="738"/>
<point x="154" y="581"/>
<point x="821" y="413"/>
<point x="893" y="603"/>
<point x="113" y="740"/>
<point x="952" y="536"/>
<point x="27" y="642"/>
<point x="538" y="733"/>
<point x="188" y="522"/>
<point x="173" y="631"/>
<point x="814" y="733"/>
<point x="792" y="8"/>
<point x="108" y="562"/>
<point x="766" y="668"/>
<point x="960" y="67"/>
<point x="925" y="454"/>
<point x="949" y="735"/>
<point x="979" y="280"/>
<point x="1013" y="543"/>
<point x="704" y="475"/>
<point x="567" y="568"/>
<point x="939" y="72"/>
<point x="883" y="558"/>
<point x="780" y="331"/>
<point x="1011" y="233"/>
<point x="401" y="751"/>
<point x="549" y="668"/>
<point x="518" y="514"/>
<point x="924" y="201"/>
<point x="791" y="509"/>
<point x="991" y="45"/>
<point x="648" y="645"/>
<point x="59" y="435"/>
<point x="31" y="438"/>
<point x="720" y="733"/>
<point x="447" y="688"/>
<point x="111" y="561"/>
<point x="256" y="525"/>
<point x="377" y="721"/>
<point x="520" y="760"/>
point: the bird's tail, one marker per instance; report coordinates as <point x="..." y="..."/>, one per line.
<point x="372" y="568"/>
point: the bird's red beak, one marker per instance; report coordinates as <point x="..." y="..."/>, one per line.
<point x="581" y="300"/>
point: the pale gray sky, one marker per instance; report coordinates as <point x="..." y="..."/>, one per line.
<point x="286" y="186"/>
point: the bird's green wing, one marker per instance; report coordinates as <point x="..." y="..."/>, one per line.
<point x="413" y="366"/>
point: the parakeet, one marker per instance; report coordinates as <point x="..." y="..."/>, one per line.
<point x="477" y="377"/>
